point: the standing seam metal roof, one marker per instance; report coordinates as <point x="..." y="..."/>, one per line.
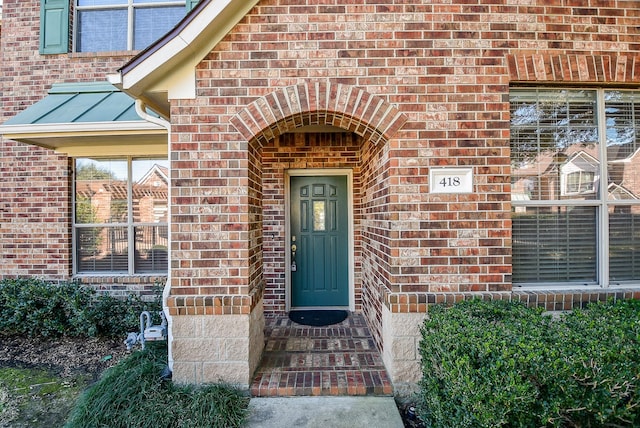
<point x="79" y="103"/>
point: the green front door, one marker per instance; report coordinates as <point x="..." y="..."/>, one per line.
<point x="319" y="241"/>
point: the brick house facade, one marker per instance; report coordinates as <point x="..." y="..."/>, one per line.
<point x="387" y="94"/>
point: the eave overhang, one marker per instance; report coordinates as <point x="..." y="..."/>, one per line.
<point x="166" y="69"/>
<point x="73" y="139"/>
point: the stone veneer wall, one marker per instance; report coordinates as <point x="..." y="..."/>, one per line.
<point x="208" y="349"/>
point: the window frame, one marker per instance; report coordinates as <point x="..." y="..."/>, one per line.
<point x="130" y="6"/>
<point x="602" y="203"/>
<point x="130" y="224"/>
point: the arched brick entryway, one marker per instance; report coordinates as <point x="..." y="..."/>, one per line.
<point x="319" y="103"/>
<point x="351" y="131"/>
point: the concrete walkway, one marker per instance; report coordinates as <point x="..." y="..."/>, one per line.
<point x="324" y="412"/>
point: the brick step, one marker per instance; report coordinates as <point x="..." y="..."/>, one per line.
<point x="335" y="382"/>
<point x="295" y="361"/>
<point x="335" y="360"/>
<point x="319" y="332"/>
<point x="323" y="345"/>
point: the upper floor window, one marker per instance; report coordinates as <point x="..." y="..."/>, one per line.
<point x="116" y="25"/>
<point x="107" y="25"/>
<point x="120" y="216"/>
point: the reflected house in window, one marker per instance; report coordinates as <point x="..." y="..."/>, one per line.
<point x="104" y="202"/>
<point x="575" y="174"/>
<point x="150" y="195"/>
<point x="535" y="179"/>
<point x="624" y="171"/>
<point x="579" y="175"/>
<point x="153" y="207"/>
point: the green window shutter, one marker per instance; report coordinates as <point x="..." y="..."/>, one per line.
<point x="191" y="4"/>
<point x="54" y="26"/>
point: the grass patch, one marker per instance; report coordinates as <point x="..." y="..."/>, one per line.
<point x="132" y="394"/>
<point x="35" y="397"/>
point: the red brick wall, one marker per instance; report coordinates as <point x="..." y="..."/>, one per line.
<point x="446" y="67"/>
<point x="35" y="187"/>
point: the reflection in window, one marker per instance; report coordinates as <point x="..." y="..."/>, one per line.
<point x="319" y="216"/>
<point x="558" y="159"/>
<point x="120" y="212"/>
<point x="623" y="139"/>
<point x="580" y="182"/>
<point x="550" y="130"/>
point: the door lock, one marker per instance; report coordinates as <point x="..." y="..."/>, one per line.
<point x="294" y="247"/>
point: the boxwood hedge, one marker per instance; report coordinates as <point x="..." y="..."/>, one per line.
<point x="36" y="307"/>
<point x="501" y="364"/>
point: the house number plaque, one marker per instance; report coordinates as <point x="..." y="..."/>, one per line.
<point x="451" y="180"/>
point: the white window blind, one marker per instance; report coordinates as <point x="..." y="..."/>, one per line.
<point x="570" y="224"/>
<point x="115" y="25"/>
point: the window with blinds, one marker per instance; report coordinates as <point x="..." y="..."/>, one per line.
<point x="569" y="226"/>
<point x="120" y="216"/>
<point x="117" y="25"/>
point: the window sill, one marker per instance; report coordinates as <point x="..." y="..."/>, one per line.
<point x="593" y="288"/>
<point x="119" y="275"/>
<point x="107" y="54"/>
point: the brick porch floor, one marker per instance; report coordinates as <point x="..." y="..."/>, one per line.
<point x="341" y="359"/>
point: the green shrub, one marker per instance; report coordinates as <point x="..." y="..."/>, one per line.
<point x="495" y="364"/>
<point x="35" y="307"/>
<point x="600" y="370"/>
<point x="132" y="395"/>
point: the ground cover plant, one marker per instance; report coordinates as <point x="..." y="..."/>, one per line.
<point x="36" y="397"/>
<point x="133" y="394"/>
<point x="500" y="364"/>
<point x="58" y="339"/>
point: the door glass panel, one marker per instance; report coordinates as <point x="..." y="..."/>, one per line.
<point x="319" y="216"/>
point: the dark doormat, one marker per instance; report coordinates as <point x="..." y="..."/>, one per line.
<point x="318" y="318"/>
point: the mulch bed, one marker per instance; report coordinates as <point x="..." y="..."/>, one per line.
<point x="65" y="356"/>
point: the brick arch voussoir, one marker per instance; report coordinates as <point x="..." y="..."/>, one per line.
<point x="319" y="103"/>
<point x="584" y="68"/>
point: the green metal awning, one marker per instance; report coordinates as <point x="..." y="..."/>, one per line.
<point x="86" y="117"/>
